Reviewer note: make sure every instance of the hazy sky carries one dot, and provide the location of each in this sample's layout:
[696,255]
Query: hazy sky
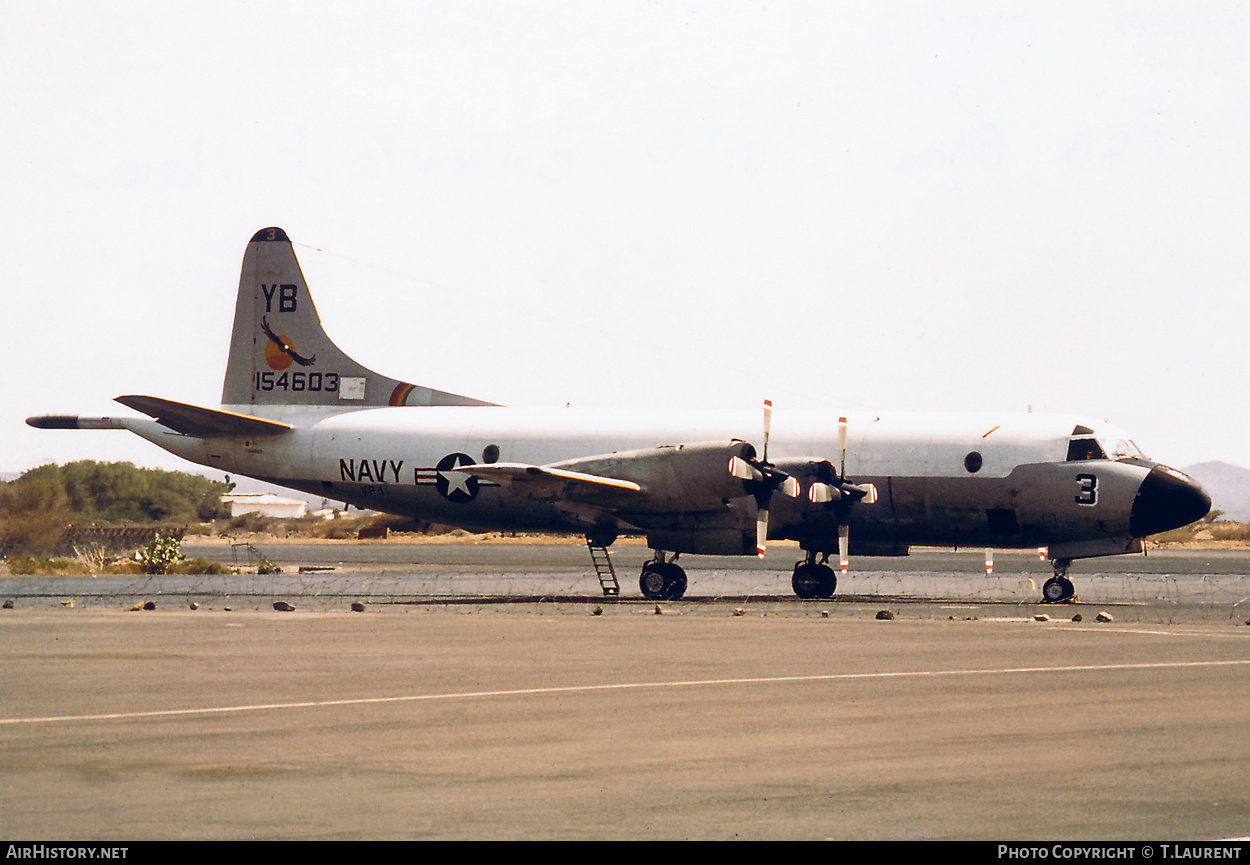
[948,206]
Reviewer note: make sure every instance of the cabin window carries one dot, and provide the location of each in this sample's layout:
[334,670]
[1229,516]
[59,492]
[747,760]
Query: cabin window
[1085,448]
[973,462]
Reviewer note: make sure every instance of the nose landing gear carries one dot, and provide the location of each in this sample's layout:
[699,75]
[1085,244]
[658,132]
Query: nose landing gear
[1059,589]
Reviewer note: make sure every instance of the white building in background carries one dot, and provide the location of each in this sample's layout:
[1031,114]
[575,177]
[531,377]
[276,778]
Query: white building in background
[265,504]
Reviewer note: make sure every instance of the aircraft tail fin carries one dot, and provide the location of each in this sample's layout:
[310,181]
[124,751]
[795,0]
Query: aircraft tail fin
[280,355]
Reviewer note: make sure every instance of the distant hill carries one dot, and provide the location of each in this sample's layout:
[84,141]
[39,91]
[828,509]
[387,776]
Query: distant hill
[1228,485]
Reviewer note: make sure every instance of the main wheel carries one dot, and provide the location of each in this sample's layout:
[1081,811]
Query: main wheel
[662,581]
[676,582]
[1057,590]
[813,581]
[828,582]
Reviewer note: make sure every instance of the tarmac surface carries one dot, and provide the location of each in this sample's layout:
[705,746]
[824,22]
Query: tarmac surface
[508,699]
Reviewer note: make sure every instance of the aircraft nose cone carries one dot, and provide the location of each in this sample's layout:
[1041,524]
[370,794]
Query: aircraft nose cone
[1167,499]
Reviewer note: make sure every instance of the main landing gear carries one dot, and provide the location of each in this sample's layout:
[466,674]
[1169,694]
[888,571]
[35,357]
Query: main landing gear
[1059,589]
[814,579]
[662,580]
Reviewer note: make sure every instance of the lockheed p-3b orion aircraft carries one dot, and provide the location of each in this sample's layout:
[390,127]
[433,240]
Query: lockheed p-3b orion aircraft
[298,412]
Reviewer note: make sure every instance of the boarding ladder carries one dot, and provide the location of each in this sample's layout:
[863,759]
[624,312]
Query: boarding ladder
[603,567]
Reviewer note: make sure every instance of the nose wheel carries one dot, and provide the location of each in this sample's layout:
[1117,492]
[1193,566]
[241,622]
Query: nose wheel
[1059,589]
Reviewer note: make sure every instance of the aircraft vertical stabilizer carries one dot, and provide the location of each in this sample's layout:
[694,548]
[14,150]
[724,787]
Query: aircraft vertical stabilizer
[280,354]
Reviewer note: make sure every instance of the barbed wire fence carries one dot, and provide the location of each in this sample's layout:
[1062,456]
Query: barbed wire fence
[1157,598]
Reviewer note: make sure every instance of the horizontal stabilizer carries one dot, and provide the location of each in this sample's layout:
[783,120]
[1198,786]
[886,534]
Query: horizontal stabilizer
[542,479]
[193,420]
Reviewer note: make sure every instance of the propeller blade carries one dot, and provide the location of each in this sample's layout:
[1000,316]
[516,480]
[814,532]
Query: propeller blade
[844,546]
[821,493]
[761,531]
[743,470]
[842,445]
[768,425]
[789,487]
[867,492]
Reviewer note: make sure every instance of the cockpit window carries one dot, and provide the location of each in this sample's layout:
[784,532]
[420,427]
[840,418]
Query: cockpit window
[1085,448]
[1119,449]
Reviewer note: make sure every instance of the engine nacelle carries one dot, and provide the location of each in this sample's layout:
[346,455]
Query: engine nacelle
[685,478]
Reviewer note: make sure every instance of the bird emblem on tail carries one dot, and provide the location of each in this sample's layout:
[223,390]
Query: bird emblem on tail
[284,345]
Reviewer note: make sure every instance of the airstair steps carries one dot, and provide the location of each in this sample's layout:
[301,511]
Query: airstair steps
[604,569]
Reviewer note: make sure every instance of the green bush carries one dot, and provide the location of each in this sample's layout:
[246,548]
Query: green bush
[200,565]
[122,492]
[36,508]
[250,523]
[161,556]
[45,565]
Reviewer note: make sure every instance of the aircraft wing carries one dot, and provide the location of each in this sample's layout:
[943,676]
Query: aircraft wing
[193,420]
[545,480]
